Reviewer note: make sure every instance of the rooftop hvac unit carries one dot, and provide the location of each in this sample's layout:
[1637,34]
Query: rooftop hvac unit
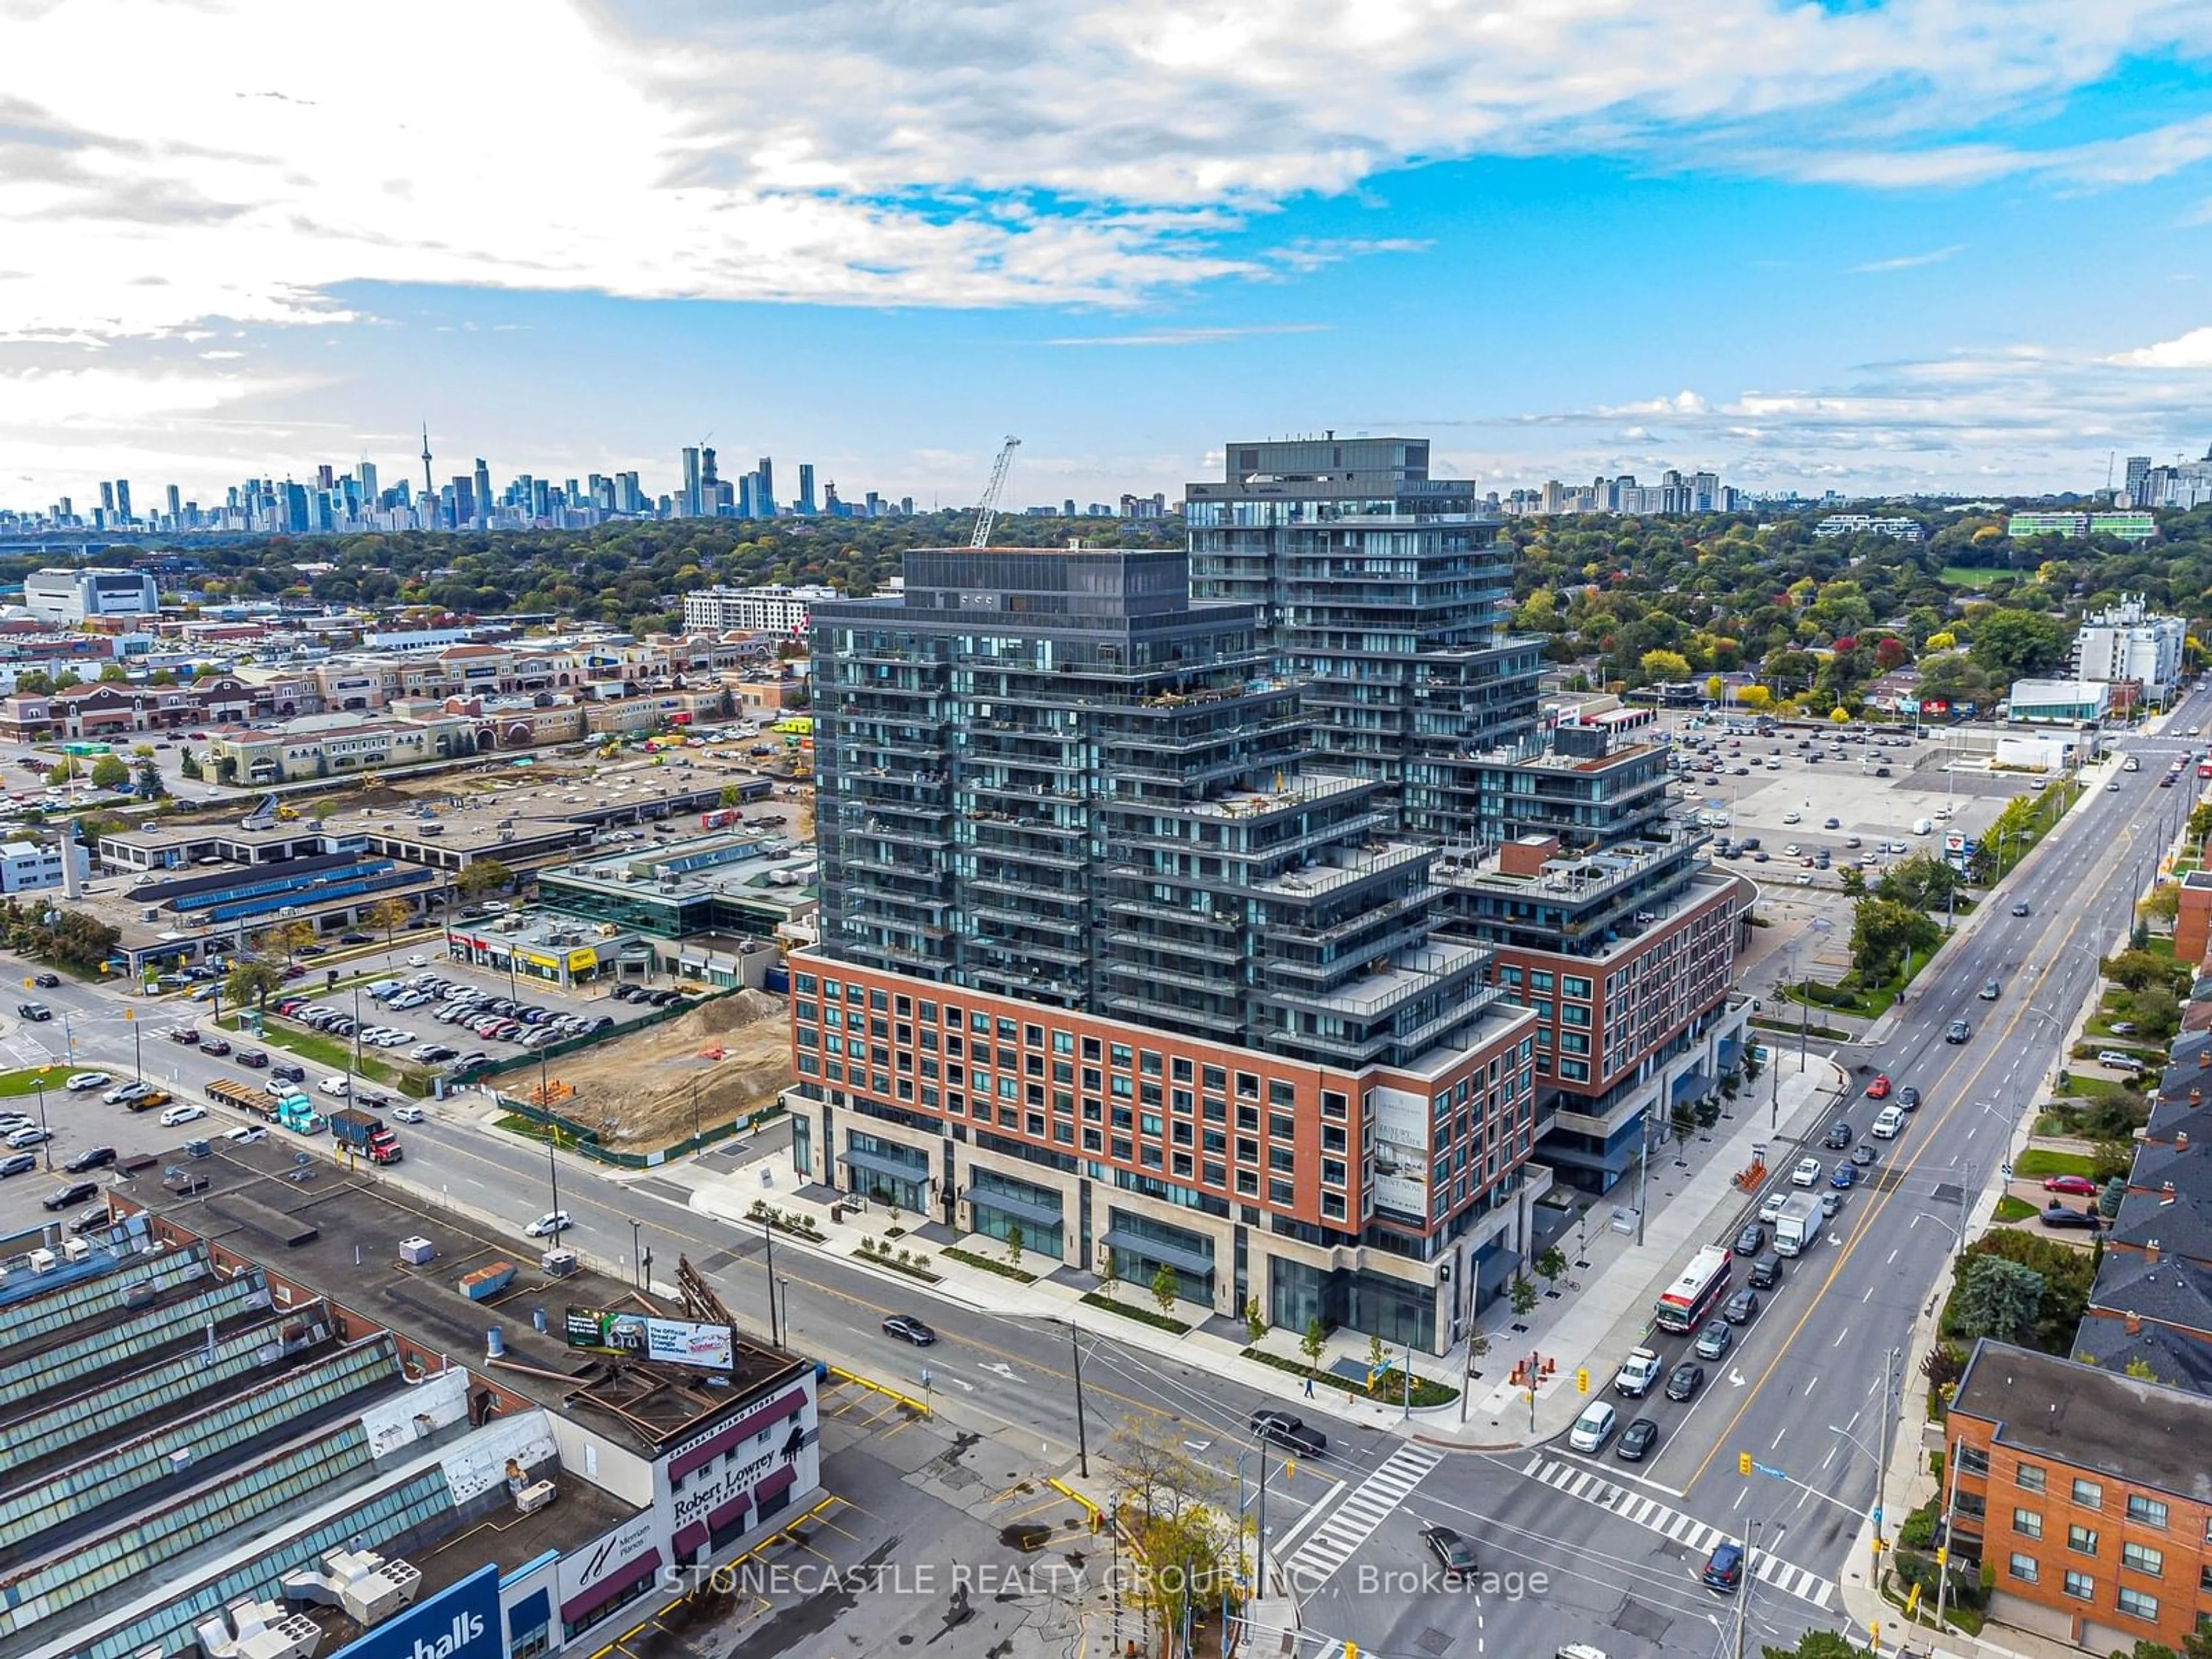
[77,1249]
[263,1631]
[535,1496]
[365,1586]
[42,1261]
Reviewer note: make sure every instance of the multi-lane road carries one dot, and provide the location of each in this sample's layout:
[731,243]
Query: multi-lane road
[1802,1391]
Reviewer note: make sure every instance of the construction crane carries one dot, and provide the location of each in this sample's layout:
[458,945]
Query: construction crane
[989,509]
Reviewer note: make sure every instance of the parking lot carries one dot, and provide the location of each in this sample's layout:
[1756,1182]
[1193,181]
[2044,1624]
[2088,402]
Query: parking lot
[1804,808]
[399,1015]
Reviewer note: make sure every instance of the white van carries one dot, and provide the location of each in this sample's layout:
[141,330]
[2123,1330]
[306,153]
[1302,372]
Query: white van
[1592,1428]
[1923,826]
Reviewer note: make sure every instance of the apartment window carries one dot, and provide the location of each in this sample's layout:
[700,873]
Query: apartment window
[2080,1586]
[2029,1477]
[1215,1175]
[1248,1182]
[2021,1567]
[1247,1085]
[1215,1078]
[1091,1048]
[1570,985]
[1247,1152]
[1280,1093]
[1034,1035]
[2082,1541]
[2136,1605]
[2088,1494]
[1179,1069]
[2143,1559]
[1332,1206]
[1215,1111]
[2150,1511]
[1120,1055]
[1282,1158]
[1332,1103]
[1148,1062]
[1281,1127]
[1281,1195]
[1972,1459]
[2028,1523]
[1247,1117]
[1123,1151]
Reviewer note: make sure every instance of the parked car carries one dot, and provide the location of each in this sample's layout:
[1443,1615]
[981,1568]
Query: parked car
[246,1134]
[186,1113]
[2058,1215]
[93,1158]
[18,1163]
[549,1223]
[76,1192]
[2079,1186]
[83,1083]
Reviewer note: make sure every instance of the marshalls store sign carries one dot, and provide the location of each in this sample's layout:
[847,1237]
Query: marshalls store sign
[460,1622]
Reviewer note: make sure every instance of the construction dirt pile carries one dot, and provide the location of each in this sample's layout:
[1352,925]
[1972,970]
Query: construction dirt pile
[717,1063]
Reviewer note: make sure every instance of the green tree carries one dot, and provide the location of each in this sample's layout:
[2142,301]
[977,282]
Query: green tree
[1165,1288]
[1664,666]
[1014,1244]
[251,983]
[1256,1322]
[1922,882]
[2110,1199]
[1883,934]
[150,787]
[482,876]
[162,678]
[287,939]
[58,773]
[1854,880]
[114,673]
[2000,1299]
[390,915]
[1552,1266]
[108,771]
[1524,1294]
[188,765]
[1109,1276]
[2157,1012]
[2011,645]
[1315,1339]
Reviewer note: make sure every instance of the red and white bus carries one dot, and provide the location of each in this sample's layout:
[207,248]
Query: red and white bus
[1693,1296]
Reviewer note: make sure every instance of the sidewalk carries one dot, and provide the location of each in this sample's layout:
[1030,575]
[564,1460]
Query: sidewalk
[1620,1280]
[1693,1200]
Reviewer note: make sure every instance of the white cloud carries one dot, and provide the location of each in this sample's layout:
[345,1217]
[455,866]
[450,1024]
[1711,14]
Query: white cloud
[927,152]
[2192,351]
[1909,261]
[1182,336]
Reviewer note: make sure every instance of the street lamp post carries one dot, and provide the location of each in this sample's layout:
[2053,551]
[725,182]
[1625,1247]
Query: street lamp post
[637,1266]
[46,1144]
[137,1058]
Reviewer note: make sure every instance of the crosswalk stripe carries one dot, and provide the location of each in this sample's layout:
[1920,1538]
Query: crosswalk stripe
[1361,1512]
[1579,1481]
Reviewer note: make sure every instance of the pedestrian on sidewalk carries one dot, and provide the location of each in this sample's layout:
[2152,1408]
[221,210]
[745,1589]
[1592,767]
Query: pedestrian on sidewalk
[1310,1388]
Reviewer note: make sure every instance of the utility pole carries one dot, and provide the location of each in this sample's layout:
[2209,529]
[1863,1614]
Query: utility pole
[767,1236]
[1743,1599]
[1643,1174]
[1943,1550]
[1081,1440]
[1259,1524]
[1890,1405]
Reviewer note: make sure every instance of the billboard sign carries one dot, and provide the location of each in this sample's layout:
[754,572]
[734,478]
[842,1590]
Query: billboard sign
[643,1336]
[461,1621]
[1401,1151]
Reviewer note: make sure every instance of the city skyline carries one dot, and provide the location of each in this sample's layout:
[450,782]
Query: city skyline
[1795,261]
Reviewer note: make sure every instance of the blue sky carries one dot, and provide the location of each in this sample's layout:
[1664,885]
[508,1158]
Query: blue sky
[1955,245]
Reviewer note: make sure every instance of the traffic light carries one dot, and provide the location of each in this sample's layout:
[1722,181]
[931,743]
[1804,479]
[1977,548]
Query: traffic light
[1743,1464]
[1582,1379]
